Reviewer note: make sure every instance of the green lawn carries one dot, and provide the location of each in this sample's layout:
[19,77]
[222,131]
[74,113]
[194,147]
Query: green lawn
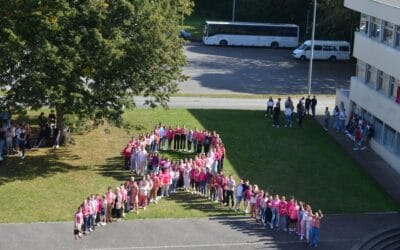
[49,184]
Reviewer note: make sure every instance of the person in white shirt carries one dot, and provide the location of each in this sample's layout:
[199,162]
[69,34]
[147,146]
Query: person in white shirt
[270,106]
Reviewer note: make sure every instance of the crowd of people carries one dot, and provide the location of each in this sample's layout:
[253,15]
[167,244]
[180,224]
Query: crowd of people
[17,138]
[357,128]
[202,175]
[303,108]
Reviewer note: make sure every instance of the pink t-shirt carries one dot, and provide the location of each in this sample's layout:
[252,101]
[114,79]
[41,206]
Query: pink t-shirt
[293,212]
[282,208]
[78,218]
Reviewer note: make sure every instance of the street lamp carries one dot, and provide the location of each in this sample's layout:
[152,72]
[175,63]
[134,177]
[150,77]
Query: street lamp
[233,10]
[312,48]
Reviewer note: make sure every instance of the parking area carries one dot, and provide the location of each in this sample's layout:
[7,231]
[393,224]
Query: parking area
[243,70]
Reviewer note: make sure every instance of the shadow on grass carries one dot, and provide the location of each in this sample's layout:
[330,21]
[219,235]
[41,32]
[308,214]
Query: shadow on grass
[34,166]
[193,202]
[114,168]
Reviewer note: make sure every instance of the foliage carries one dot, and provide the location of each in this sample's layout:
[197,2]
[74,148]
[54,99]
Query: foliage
[90,57]
[334,21]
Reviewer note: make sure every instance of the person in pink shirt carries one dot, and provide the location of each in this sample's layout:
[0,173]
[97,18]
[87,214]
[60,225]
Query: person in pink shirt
[127,156]
[166,181]
[100,211]
[182,145]
[202,181]
[293,213]
[110,199]
[289,205]
[78,221]
[282,209]
[134,200]
[85,214]
[316,222]
[170,136]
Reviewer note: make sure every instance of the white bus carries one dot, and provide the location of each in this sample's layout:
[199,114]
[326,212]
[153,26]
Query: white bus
[251,34]
[323,50]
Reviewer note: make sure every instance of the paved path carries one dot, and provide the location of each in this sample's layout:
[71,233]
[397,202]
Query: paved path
[233,103]
[242,233]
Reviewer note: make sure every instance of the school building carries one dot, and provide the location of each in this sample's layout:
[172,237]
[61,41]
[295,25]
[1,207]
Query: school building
[374,92]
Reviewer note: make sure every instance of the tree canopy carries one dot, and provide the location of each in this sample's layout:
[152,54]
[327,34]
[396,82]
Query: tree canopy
[90,57]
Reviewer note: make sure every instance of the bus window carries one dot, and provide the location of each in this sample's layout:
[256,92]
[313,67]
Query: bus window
[344,48]
[328,48]
[317,47]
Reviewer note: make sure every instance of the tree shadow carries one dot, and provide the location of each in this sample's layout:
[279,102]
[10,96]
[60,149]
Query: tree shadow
[193,202]
[114,168]
[34,166]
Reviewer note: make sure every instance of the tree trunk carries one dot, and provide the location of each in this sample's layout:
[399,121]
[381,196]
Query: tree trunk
[60,123]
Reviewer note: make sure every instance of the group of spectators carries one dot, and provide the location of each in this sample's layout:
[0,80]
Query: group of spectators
[303,108]
[360,131]
[16,138]
[202,175]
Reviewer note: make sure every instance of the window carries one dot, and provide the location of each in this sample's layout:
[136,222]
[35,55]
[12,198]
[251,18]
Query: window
[344,48]
[361,70]
[379,81]
[375,28]
[388,33]
[327,48]
[389,138]
[317,47]
[378,130]
[382,84]
[364,22]
[397,39]
[391,92]
[371,76]
[397,149]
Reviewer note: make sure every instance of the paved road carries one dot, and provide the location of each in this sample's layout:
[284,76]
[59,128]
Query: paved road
[233,103]
[215,69]
[338,232]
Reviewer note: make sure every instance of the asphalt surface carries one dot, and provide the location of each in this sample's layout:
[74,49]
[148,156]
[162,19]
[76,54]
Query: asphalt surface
[215,69]
[337,232]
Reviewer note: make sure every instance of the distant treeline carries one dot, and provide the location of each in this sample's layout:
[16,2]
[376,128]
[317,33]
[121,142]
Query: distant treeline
[334,21]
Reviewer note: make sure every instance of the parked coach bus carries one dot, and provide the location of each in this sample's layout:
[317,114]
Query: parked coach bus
[324,50]
[251,34]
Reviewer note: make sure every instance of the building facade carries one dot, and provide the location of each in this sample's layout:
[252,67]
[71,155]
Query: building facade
[375,89]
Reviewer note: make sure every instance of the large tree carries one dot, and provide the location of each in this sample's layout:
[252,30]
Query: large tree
[89,57]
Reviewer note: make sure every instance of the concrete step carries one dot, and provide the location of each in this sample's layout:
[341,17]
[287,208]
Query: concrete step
[384,238]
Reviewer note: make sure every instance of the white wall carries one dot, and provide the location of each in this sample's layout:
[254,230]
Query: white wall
[379,55]
[376,103]
[342,96]
[388,156]
[376,9]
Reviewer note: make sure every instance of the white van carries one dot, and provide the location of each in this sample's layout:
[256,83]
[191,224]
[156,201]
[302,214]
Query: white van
[324,50]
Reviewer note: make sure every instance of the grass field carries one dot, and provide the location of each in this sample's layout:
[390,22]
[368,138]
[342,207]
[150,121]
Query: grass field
[49,184]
